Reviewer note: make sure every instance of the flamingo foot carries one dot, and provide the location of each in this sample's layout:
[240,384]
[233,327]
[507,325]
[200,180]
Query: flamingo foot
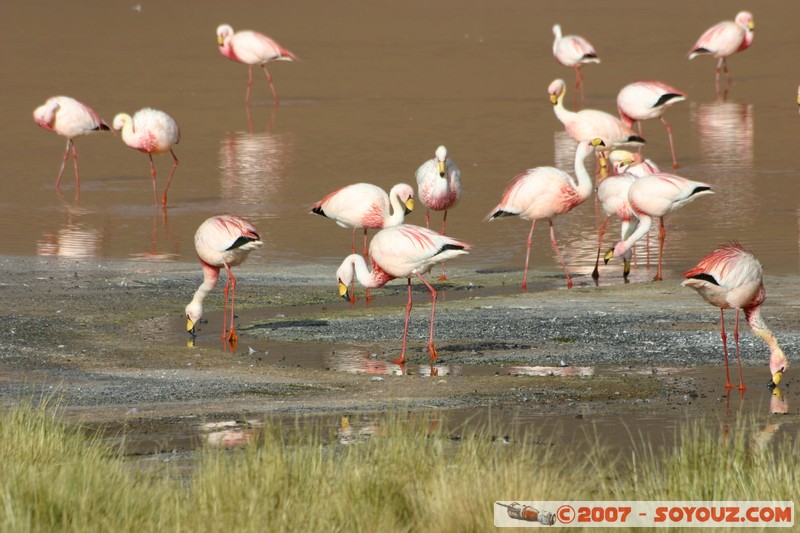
[443,277]
[432,351]
[728,385]
[232,336]
[400,360]
[658,278]
[742,388]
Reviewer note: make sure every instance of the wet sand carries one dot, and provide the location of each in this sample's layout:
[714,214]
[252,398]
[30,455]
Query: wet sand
[107,340]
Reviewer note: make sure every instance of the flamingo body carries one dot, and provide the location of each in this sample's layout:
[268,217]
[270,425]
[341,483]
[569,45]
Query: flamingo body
[69,118]
[222,241]
[153,132]
[731,277]
[623,161]
[402,251]
[725,39]
[544,193]
[657,195]
[643,100]
[252,48]
[588,124]
[573,51]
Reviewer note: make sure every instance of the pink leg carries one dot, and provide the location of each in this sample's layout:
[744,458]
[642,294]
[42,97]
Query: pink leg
[671,146]
[249,84]
[662,234]
[402,359]
[269,80]
[738,354]
[77,174]
[728,384]
[443,277]
[431,347]
[558,252]
[428,218]
[63,163]
[153,176]
[225,305]
[232,337]
[527,256]
[579,83]
[719,68]
[174,166]
[366,257]
[596,271]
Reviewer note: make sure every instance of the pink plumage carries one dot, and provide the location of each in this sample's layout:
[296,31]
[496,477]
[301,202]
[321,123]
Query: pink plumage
[731,277]
[402,251]
[223,240]
[69,118]
[643,100]
[544,193]
[252,48]
[573,51]
[725,39]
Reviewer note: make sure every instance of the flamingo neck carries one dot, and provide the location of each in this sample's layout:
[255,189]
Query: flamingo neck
[370,279]
[777,359]
[584,186]
[562,113]
[210,278]
[645,223]
[398,213]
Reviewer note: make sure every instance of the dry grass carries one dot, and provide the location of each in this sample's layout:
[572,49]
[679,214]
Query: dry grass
[408,477]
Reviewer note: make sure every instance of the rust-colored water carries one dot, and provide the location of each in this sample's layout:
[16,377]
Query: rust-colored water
[380,86]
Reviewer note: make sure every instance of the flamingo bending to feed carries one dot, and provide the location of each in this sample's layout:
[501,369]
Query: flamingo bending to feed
[730,277]
[439,187]
[588,124]
[252,48]
[724,39]
[544,193]
[623,161]
[643,100]
[68,118]
[573,51]
[613,196]
[153,132]
[221,241]
[401,251]
[657,195]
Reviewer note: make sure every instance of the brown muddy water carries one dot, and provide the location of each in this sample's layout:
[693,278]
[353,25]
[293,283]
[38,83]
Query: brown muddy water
[379,87]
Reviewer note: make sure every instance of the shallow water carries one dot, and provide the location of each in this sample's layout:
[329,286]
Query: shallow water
[380,85]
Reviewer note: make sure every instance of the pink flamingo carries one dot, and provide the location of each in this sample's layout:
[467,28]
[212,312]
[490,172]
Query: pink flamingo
[725,39]
[642,100]
[439,187]
[588,124]
[544,193]
[221,241]
[252,48]
[573,51]
[798,96]
[730,277]
[401,251]
[68,118]
[623,161]
[612,193]
[153,132]
[657,195]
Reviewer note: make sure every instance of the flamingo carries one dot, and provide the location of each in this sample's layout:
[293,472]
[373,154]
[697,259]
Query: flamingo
[657,195]
[252,48]
[223,240]
[153,132]
[544,193]
[724,39]
[402,251]
[612,193]
[642,100]
[573,51]
[798,96]
[731,277]
[68,118]
[588,124]
[623,161]
[439,187]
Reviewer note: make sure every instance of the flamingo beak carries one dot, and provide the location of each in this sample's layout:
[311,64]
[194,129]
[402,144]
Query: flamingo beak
[190,327]
[343,292]
[441,169]
[608,255]
[776,378]
[553,99]
[220,40]
[409,205]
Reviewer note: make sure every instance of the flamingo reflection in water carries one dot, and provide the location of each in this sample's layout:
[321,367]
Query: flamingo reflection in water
[75,240]
[253,167]
[726,133]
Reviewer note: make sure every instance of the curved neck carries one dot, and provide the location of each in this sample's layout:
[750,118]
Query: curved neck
[645,223]
[398,213]
[584,186]
[563,114]
[777,359]
[210,278]
[369,279]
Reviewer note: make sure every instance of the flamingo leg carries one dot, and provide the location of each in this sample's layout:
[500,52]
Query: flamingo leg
[63,163]
[527,256]
[249,85]
[558,252]
[174,166]
[225,292]
[75,161]
[596,271]
[718,69]
[269,80]
[671,146]
[443,277]
[231,336]
[738,353]
[402,359]
[153,176]
[428,218]
[431,347]
[579,83]
[728,384]
[366,256]
[662,234]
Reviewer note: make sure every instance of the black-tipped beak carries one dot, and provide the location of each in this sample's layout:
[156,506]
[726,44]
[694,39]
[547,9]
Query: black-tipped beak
[343,292]
[190,328]
[607,256]
[776,378]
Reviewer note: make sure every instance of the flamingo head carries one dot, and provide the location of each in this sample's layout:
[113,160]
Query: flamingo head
[621,159]
[745,18]
[194,312]
[345,273]
[45,115]
[557,89]
[224,31]
[619,250]
[778,364]
[441,159]
[405,193]
[121,120]
[557,31]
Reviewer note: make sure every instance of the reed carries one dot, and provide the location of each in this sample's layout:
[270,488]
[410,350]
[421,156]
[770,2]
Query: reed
[406,476]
